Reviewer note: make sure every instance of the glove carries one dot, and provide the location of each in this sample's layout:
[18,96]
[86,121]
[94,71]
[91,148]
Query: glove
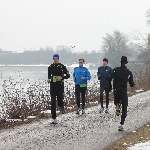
[132,84]
[99,78]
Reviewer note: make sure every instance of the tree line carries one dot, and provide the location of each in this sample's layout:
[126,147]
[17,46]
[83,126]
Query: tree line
[45,55]
[114,46]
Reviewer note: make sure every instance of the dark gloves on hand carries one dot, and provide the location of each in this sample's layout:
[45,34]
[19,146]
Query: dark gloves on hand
[99,78]
[132,84]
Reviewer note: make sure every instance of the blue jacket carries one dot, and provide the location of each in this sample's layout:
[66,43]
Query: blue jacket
[103,74]
[81,72]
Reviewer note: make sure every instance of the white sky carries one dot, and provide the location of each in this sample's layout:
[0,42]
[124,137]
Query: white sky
[26,24]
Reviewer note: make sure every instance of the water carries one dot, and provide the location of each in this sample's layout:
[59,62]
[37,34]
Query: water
[30,73]
[33,73]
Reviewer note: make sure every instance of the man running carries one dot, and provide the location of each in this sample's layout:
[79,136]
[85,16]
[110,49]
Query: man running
[121,75]
[103,76]
[80,77]
[57,72]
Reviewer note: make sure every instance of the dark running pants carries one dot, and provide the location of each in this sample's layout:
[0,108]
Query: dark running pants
[56,91]
[121,97]
[79,90]
[106,88]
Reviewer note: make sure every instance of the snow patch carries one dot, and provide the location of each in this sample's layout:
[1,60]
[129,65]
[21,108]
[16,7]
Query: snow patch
[140,146]
[13,120]
[96,102]
[46,111]
[31,117]
[140,90]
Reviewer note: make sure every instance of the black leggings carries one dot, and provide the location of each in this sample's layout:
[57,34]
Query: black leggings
[79,90]
[106,88]
[56,91]
[120,97]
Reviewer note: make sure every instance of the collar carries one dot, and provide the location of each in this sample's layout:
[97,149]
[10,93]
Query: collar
[80,66]
[123,66]
[56,64]
[105,67]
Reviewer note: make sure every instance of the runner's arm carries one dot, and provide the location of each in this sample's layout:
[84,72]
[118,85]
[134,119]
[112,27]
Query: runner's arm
[130,77]
[66,74]
[88,75]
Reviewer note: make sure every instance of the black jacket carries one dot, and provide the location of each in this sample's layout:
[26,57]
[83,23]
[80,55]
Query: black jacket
[58,70]
[121,76]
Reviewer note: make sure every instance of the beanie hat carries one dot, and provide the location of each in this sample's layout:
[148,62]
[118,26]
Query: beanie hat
[56,55]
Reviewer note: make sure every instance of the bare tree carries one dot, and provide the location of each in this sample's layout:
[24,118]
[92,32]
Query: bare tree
[115,46]
[145,55]
[148,17]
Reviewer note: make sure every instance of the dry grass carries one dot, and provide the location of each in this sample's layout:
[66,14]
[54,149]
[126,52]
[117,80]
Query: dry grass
[140,136]
[7,125]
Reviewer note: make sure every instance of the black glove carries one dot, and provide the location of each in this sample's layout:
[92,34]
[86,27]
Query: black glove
[99,78]
[132,84]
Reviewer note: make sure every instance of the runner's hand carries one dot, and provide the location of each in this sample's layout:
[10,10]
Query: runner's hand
[48,80]
[59,78]
[82,78]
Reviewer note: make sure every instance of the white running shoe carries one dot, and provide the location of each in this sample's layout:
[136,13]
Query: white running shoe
[54,121]
[107,110]
[101,110]
[83,111]
[78,111]
[120,128]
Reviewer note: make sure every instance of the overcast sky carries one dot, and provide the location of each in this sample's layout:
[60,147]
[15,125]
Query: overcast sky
[26,24]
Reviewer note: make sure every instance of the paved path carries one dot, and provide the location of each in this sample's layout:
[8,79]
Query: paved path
[91,131]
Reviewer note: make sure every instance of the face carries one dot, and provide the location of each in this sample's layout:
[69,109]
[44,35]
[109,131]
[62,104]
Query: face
[56,60]
[81,62]
[105,63]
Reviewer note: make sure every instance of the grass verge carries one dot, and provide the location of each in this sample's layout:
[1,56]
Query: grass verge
[141,135]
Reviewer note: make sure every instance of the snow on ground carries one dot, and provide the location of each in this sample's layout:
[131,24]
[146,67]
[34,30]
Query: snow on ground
[91,131]
[140,90]
[140,146]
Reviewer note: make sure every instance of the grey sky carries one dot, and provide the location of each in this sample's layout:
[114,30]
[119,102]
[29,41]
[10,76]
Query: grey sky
[26,24]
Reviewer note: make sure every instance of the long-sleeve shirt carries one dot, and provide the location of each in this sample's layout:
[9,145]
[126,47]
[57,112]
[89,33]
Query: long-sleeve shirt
[81,72]
[103,74]
[55,70]
[121,76]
